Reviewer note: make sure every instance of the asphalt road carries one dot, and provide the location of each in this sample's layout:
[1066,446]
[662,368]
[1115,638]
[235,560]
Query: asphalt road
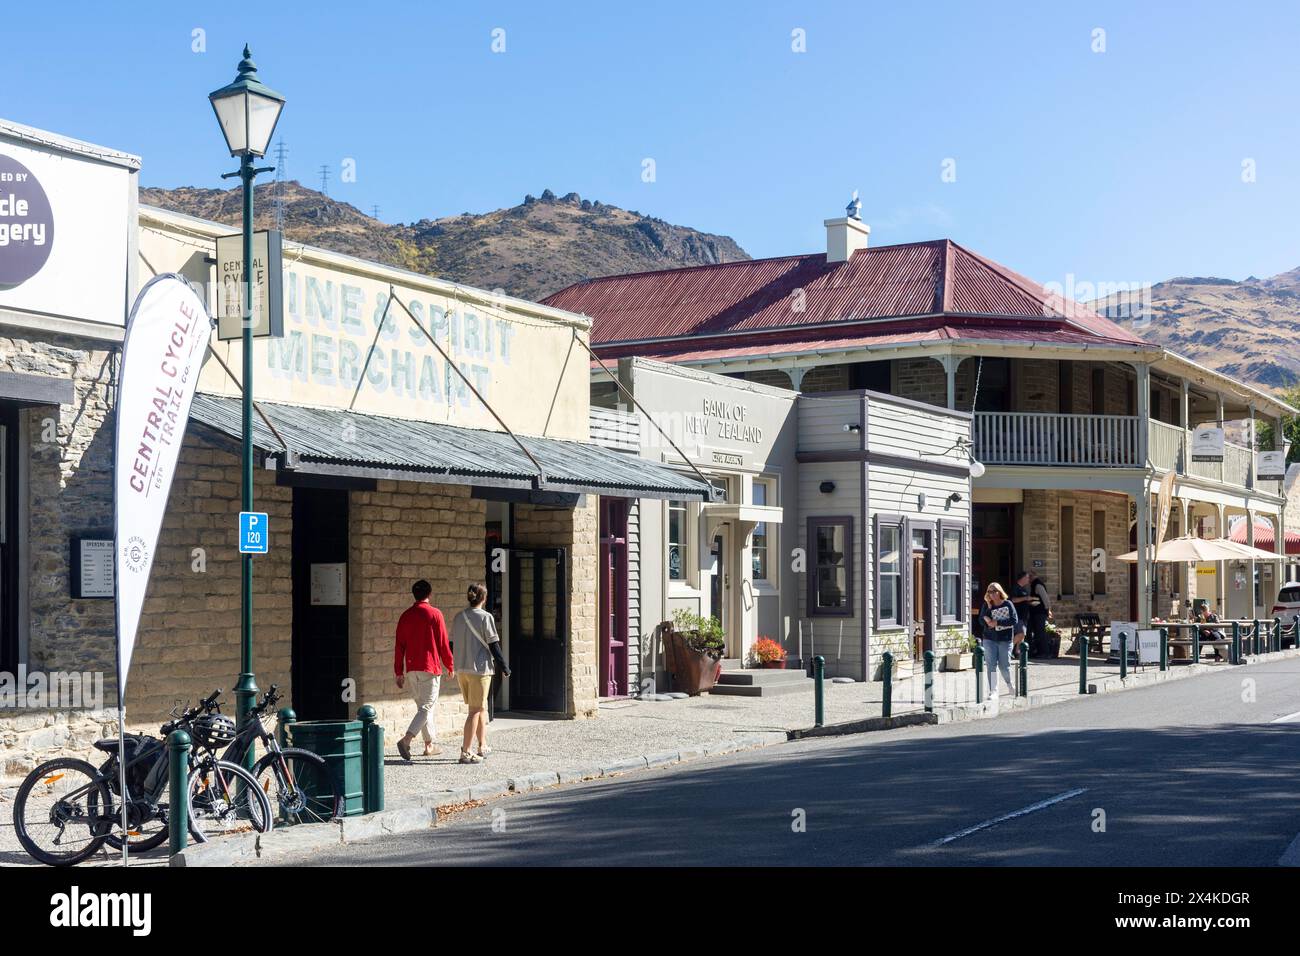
[1194,772]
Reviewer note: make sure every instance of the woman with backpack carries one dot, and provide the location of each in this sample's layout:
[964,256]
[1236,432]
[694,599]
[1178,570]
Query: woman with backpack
[477,649]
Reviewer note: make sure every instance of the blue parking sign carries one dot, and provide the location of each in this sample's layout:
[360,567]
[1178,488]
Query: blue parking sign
[254,533]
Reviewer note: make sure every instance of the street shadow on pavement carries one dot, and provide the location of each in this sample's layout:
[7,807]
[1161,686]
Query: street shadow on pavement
[1203,796]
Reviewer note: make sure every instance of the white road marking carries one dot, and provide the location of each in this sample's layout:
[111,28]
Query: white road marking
[1033,807]
[1288,719]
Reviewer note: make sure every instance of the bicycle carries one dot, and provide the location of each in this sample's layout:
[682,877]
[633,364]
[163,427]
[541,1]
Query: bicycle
[70,805]
[305,789]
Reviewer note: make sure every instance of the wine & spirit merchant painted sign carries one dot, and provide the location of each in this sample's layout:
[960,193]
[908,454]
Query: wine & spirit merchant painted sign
[345,346]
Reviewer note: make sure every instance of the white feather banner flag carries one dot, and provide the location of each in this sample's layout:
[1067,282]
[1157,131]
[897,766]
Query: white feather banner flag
[166,340]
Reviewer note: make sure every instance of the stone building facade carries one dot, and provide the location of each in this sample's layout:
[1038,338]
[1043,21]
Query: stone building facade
[349,357]
[60,325]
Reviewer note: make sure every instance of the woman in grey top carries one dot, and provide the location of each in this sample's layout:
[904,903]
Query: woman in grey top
[477,652]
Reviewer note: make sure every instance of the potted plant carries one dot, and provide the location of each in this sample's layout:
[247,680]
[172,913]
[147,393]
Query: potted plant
[903,665]
[962,658]
[1053,648]
[693,646]
[768,653]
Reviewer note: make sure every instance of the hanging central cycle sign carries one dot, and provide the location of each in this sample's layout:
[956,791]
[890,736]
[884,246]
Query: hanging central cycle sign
[268,286]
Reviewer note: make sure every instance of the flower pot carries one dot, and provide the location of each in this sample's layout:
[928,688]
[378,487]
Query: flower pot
[773,665]
[902,669]
[958,661]
[693,672]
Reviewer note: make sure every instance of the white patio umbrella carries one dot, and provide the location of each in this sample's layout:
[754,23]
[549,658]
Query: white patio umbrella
[1191,548]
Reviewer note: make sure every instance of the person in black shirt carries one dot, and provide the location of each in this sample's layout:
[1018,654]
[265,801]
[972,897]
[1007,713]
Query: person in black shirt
[1040,612]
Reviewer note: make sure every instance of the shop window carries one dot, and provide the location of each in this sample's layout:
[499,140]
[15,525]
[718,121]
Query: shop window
[830,554]
[889,574]
[950,574]
[1067,549]
[678,541]
[1099,543]
[761,545]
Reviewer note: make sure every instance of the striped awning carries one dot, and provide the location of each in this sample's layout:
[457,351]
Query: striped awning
[328,441]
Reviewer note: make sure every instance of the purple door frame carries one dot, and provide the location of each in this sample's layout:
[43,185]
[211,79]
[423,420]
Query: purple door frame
[613,597]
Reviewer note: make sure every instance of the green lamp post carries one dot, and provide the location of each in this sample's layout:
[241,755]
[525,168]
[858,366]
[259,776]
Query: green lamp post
[247,110]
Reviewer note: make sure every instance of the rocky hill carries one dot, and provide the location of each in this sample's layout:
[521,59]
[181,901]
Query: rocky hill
[530,250]
[1248,329]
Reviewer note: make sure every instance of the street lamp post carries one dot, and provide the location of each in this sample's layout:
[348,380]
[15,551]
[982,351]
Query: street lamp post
[248,111]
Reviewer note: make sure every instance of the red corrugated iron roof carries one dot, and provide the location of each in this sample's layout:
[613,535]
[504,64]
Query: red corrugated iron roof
[908,281]
[1264,537]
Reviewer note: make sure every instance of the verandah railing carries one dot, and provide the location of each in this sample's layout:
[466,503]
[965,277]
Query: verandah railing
[1043,438]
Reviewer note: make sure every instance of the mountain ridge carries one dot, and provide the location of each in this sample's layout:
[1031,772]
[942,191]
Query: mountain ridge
[530,250]
[1248,329]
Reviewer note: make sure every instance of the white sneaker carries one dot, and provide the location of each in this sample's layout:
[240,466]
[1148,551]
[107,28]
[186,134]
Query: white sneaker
[993,697]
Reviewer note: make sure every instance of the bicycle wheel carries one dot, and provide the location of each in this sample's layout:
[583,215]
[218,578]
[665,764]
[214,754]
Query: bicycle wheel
[62,811]
[145,835]
[300,787]
[224,798]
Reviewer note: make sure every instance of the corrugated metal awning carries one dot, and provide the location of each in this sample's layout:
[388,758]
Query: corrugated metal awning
[325,441]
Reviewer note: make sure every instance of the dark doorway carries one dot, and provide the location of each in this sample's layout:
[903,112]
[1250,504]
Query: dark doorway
[922,595]
[995,385]
[8,538]
[320,610]
[539,614]
[613,597]
[992,549]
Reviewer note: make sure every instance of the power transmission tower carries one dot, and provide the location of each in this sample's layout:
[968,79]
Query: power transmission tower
[374,212]
[281,153]
[324,180]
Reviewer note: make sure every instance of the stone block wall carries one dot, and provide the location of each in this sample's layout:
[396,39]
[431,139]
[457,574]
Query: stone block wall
[1041,536]
[576,529]
[922,380]
[399,533]
[69,492]
[826,378]
[770,376]
[189,635]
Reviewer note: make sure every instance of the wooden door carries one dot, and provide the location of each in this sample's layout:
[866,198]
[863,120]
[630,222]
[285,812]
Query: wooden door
[613,597]
[922,594]
[919,603]
[539,614]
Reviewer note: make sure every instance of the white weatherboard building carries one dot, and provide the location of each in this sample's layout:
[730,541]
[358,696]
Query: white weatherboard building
[845,529]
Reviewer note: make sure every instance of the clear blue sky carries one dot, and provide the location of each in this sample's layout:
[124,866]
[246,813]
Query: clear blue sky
[1124,165]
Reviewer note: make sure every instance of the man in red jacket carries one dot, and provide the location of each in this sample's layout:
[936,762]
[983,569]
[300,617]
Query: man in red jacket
[422,650]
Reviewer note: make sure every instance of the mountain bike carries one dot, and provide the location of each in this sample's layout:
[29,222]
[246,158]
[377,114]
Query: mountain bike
[303,788]
[66,809]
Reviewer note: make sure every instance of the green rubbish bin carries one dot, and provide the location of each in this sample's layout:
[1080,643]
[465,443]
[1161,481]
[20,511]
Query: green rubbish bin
[339,742]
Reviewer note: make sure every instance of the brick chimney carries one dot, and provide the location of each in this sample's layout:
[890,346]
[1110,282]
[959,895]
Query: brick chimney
[848,234]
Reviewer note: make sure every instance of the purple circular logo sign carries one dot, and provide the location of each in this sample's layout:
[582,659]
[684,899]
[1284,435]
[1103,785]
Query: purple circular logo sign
[26,224]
